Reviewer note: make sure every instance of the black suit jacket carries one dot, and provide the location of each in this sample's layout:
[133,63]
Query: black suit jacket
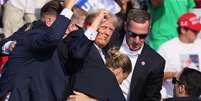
[90,75]
[33,70]
[148,72]
[183,99]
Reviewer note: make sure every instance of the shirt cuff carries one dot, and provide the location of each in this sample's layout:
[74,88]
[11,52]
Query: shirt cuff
[67,13]
[90,34]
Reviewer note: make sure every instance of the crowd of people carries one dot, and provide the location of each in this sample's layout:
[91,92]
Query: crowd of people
[100,50]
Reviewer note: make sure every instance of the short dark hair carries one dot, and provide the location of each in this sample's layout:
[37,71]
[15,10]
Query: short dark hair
[138,15]
[191,79]
[52,7]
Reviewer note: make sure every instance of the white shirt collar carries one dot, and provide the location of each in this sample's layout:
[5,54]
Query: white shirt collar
[125,49]
[101,53]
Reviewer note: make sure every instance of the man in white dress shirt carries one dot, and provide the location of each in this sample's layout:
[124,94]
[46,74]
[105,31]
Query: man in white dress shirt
[145,81]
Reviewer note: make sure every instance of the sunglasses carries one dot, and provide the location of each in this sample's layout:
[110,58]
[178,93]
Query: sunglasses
[133,34]
[174,81]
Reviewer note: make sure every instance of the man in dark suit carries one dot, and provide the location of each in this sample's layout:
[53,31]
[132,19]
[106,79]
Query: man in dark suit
[187,86]
[32,73]
[145,81]
[91,76]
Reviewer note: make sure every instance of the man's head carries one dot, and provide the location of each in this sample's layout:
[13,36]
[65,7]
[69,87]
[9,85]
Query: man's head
[105,29]
[188,27]
[49,12]
[197,3]
[137,27]
[188,83]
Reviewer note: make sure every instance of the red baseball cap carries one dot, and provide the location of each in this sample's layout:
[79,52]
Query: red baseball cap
[189,20]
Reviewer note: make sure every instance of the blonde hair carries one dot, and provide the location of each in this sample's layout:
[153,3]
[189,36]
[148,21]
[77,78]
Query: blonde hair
[118,60]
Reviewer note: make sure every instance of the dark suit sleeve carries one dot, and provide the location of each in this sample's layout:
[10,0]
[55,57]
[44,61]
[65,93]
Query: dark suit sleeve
[74,48]
[154,82]
[115,93]
[87,79]
[79,45]
[52,35]
[2,43]
[76,45]
[13,37]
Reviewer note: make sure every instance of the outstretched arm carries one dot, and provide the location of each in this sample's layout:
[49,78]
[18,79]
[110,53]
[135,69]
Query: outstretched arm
[82,42]
[54,33]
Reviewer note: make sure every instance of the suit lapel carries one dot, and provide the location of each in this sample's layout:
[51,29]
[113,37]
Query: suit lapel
[139,70]
[96,55]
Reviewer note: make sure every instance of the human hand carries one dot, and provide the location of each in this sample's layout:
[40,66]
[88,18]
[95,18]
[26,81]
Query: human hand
[101,16]
[71,27]
[78,96]
[169,75]
[12,46]
[69,3]
[8,47]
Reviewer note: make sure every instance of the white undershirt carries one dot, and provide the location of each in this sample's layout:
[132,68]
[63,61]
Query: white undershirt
[133,55]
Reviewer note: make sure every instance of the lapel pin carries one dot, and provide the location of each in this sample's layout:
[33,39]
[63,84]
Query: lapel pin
[143,63]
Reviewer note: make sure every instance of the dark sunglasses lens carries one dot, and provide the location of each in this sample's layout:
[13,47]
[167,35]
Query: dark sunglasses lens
[141,36]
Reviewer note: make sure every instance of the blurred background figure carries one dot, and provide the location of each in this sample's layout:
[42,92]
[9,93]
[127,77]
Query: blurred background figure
[182,51]
[139,4]
[125,7]
[197,11]
[19,12]
[2,2]
[187,86]
[164,24]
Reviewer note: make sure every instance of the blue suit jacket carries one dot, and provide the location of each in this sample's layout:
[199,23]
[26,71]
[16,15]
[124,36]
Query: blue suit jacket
[148,72]
[89,74]
[33,71]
